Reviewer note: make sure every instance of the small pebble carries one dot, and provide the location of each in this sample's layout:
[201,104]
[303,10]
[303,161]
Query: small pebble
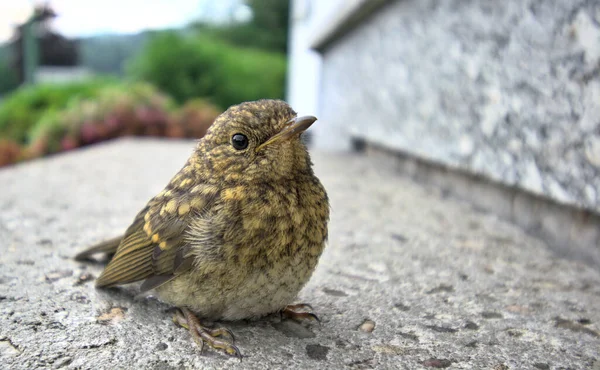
[367,326]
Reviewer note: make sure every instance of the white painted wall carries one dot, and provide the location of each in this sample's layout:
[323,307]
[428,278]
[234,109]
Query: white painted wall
[304,70]
[47,74]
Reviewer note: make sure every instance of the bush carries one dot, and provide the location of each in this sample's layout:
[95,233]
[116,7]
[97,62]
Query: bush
[110,111]
[192,67]
[193,119]
[120,110]
[10,152]
[22,109]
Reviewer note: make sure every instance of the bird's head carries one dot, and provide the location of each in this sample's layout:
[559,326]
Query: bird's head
[256,141]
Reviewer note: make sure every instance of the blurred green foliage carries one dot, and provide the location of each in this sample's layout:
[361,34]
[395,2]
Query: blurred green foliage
[187,67]
[116,110]
[267,30]
[22,109]
[101,111]
[109,53]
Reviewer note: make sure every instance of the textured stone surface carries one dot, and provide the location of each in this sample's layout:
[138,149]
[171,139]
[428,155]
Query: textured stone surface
[570,232]
[507,89]
[411,279]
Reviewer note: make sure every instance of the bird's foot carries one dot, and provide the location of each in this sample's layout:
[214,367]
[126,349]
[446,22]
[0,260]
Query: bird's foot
[201,334]
[299,312]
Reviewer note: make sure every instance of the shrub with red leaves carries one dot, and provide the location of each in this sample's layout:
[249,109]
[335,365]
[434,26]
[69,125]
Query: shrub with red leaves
[10,152]
[134,110]
[116,110]
[192,119]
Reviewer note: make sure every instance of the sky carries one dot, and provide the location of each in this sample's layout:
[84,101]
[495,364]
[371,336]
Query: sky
[80,18]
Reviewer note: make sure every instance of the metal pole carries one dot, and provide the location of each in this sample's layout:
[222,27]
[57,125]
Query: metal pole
[30,51]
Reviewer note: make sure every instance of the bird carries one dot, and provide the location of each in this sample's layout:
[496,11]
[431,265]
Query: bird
[236,233]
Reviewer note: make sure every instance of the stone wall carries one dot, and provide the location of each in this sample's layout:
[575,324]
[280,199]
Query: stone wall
[505,89]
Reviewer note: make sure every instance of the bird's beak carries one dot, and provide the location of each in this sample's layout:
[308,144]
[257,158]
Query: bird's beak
[294,127]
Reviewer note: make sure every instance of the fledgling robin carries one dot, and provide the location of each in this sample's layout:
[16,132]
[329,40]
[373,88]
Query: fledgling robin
[237,232]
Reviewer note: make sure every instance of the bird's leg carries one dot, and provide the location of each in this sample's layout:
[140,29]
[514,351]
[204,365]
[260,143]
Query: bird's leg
[180,320]
[299,311]
[201,334]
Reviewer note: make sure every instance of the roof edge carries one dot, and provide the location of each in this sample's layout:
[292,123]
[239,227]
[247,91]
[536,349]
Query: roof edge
[344,20]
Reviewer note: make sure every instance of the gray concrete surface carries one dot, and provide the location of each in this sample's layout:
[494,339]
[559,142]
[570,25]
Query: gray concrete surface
[569,231]
[410,280]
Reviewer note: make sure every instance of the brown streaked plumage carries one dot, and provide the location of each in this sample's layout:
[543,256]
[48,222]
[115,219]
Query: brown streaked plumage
[237,232]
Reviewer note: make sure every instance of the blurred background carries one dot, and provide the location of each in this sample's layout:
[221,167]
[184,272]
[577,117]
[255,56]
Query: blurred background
[74,74]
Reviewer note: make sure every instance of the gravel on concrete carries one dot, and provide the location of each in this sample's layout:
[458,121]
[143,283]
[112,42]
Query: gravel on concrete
[411,279]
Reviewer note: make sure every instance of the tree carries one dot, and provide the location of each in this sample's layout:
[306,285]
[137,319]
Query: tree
[267,30]
[189,67]
[272,17]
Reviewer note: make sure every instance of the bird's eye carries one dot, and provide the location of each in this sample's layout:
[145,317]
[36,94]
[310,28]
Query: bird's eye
[239,141]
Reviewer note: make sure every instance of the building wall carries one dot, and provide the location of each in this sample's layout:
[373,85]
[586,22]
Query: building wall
[505,89]
[48,74]
[304,63]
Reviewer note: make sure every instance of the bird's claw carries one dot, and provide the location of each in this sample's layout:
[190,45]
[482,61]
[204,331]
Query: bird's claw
[201,334]
[222,332]
[299,312]
[229,348]
[299,306]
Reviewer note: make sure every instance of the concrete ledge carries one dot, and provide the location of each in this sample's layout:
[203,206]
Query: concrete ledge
[569,231]
[411,279]
[349,14]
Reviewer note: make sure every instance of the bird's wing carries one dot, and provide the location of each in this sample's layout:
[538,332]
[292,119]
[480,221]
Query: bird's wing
[108,247]
[155,246]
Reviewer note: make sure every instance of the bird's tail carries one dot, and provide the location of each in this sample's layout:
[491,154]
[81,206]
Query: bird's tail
[109,247]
